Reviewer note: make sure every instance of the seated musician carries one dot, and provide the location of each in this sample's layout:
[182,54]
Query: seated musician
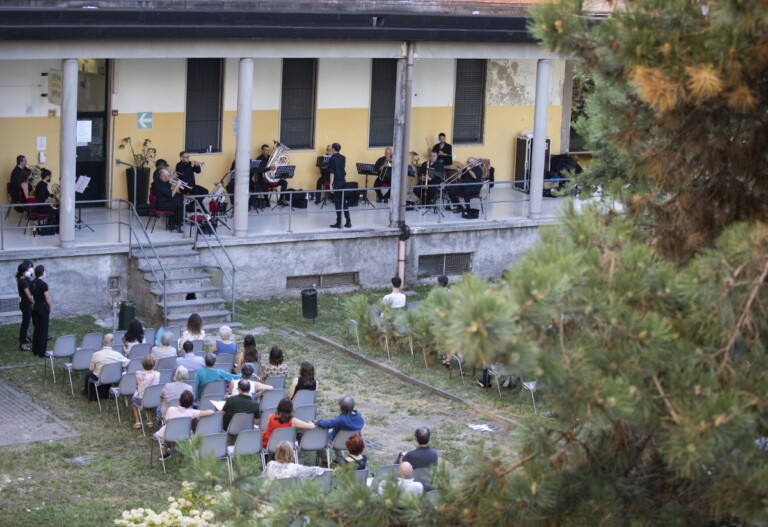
[471,180]
[186,170]
[324,176]
[261,182]
[383,168]
[444,150]
[43,195]
[168,198]
[19,179]
[431,176]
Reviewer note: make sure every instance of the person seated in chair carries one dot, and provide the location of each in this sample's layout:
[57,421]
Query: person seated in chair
[383,168]
[165,349]
[348,419]
[183,410]
[283,466]
[431,176]
[209,374]
[423,456]
[261,181]
[106,355]
[168,198]
[405,481]
[355,446]
[187,358]
[396,298]
[43,195]
[242,403]
[471,182]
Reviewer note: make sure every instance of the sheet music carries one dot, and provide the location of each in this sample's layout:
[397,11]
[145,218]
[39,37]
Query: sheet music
[81,184]
[218,404]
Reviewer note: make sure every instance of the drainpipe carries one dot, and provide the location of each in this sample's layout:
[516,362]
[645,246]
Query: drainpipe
[403,148]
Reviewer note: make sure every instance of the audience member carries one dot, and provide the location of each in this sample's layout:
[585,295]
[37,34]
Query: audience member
[442,281]
[133,335]
[255,386]
[173,390]
[305,381]
[283,466]
[249,355]
[348,419]
[276,366]
[224,344]
[355,446]
[240,403]
[183,410]
[106,355]
[144,378]
[193,331]
[396,299]
[209,374]
[405,481]
[283,418]
[188,359]
[165,349]
[421,457]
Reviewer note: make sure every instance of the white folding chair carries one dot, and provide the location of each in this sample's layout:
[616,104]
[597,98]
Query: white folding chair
[278,436]
[210,424]
[176,429]
[239,422]
[216,445]
[270,398]
[313,440]
[110,374]
[305,413]
[92,340]
[126,388]
[139,350]
[248,443]
[278,382]
[531,387]
[304,397]
[212,387]
[166,363]
[384,473]
[63,348]
[81,361]
[150,401]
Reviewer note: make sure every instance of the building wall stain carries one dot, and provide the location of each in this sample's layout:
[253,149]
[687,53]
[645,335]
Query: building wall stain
[512,82]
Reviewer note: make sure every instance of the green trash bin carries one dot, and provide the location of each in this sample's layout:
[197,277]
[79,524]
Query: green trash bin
[309,303]
[126,314]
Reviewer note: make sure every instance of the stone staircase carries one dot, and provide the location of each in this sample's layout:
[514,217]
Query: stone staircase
[191,287]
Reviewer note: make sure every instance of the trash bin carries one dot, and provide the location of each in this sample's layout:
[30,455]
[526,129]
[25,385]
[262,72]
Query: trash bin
[127,313]
[309,304]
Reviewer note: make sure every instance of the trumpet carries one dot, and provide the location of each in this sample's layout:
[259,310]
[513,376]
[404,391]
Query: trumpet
[176,181]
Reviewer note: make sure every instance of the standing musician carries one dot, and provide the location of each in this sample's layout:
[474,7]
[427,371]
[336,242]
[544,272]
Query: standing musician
[261,182]
[471,182]
[18,178]
[186,170]
[444,150]
[169,198]
[431,176]
[43,194]
[383,168]
[323,179]
[337,174]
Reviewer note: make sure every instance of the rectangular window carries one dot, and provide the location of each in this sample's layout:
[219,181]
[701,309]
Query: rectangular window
[297,104]
[469,102]
[447,264]
[205,80]
[381,128]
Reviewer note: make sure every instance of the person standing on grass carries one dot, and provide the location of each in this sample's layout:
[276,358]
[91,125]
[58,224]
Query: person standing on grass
[41,312]
[24,275]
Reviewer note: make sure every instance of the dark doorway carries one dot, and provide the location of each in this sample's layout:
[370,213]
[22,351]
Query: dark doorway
[92,113]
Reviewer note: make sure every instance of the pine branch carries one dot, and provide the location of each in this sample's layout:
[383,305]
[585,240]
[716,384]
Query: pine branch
[517,464]
[672,412]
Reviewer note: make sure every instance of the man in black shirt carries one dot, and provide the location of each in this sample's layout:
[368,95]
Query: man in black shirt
[261,181]
[431,176]
[323,179]
[186,170]
[421,457]
[168,198]
[242,403]
[337,173]
[471,182]
[43,193]
[383,169]
[18,176]
[444,150]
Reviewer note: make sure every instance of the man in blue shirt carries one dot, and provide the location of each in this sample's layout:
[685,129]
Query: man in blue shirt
[349,419]
[209,374]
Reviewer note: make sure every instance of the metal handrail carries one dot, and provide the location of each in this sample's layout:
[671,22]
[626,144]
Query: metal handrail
[198,231]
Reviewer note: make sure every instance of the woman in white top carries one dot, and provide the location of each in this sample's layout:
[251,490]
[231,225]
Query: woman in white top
[144,379]
[183,410]
[194,330]
[282,467]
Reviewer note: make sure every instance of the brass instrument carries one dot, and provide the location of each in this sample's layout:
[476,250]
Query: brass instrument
[277,159]
[463,169]
[175,180]
[55,192]
[195,163]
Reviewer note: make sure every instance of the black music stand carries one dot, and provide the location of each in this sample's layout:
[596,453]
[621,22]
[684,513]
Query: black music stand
[80,185]
[322,161]
[367,170]
[284,172]
[434,208]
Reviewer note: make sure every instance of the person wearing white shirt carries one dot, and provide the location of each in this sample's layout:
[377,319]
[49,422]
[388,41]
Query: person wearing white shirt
[396,299]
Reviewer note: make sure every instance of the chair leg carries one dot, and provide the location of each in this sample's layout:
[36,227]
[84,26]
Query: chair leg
[53,372]
[117,405]
[533,399]
[98,399]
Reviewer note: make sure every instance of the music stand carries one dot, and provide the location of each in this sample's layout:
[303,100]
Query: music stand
[284,172]
[80,185]
[366,169]
[322,161]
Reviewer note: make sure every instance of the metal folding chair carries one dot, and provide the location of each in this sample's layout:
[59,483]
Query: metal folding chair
[63,348]
[81,361]
[176,429]
[110,374]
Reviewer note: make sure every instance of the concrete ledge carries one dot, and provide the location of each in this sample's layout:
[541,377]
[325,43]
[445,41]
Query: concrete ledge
[508,423]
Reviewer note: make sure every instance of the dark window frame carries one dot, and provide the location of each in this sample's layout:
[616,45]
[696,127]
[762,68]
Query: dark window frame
[298,103]
[204,106]
[469,101]
[381,113]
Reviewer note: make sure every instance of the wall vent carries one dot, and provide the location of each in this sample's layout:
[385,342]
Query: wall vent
[432,265]
[322,280]
[9,303]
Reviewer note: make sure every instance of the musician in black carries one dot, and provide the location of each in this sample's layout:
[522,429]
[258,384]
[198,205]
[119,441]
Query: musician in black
[431,176]
[168,198]
[18,177]
[43,194]
[470,184]
[185,171]
[261,181]
[383,168]
[337,174]
[444,150]
[323,179]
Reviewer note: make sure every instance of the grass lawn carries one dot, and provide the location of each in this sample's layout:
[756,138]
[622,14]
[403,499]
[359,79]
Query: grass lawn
[40,485]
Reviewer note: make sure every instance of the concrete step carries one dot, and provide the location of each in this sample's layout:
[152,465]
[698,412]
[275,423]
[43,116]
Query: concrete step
[173,268]
[178,293]
[164,250]
[179,275]
[215,317]
[193,306]
[212,330]
[183,254]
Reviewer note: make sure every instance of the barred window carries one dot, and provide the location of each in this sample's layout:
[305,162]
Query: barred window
[469,102]
[447,264]
[381,128]
[202,131]
[297,106]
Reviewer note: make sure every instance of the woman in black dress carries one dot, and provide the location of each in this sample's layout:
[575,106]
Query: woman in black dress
[23,281]
[41,311]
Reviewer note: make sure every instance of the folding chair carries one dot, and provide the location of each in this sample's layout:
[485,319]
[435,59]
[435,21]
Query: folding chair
[324,481]
[225,361]
[149,337]
[531,387]
[63,348]
[210,424]
[278,383]
[265,414]
[198,345]
[117,339]
[205,401]
[134,365]
[212,387]
[459,363]
[166,376]
[176,429]
[81,361]
[497,374]
[339,444]
[166,363]
[248,443]
[239,422]
[278,436]
[126,388]
[384,473]
[139,350]
[216,445]
[304,397]
[110,374]
[305,413]
[150,401]
[313,440]
[270,398]
[354,323]
[92,341]
[433,496]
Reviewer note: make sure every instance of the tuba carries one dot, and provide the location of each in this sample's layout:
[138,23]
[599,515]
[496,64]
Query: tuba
[55,192]
[277,159]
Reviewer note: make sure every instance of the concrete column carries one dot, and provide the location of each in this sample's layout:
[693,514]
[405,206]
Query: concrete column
[565,126]
[243,145]
[543,77]
[67,153]
[397,144]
